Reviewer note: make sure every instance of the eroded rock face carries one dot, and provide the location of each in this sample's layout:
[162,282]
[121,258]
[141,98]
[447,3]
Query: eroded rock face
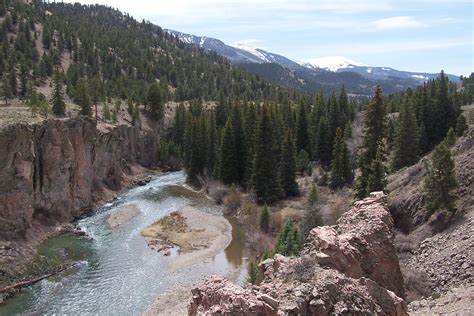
[57,169]
[360,245]
[346,269]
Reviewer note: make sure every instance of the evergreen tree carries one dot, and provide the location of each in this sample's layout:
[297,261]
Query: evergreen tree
[212,143]
[338,177]
[372,156]
[288,166]
[239,142]
[12,81]
[323,142]
[302,137]
[96,93]
[450,139]
[302,162]
[289,240]
[228,171]
[406,141]
[377,181]
[5,89]
[57,100]
[155,101]
[106,113]
[440,180]
[82,98]
[313,196]
[461,125]
[252,272]
[264,180]
[264,220]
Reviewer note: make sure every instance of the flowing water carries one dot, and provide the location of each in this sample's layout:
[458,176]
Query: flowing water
[118,273]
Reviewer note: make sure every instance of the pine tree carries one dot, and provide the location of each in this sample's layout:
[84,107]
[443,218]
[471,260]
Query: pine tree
[323,143]
[106,113]
[339,176]
[228,169]
[155,101]
[302,162]
[264,220]
[376,180]
[5,89]
[461,125]
[57,100]
[313,196]
[12,81]
[239,142]
[212,143]
[82,98]
[264,180]
[406,142]
[252,272]
[372,156]
[288,166]
[440,180]
[96,93]
[302,137]
[450,139]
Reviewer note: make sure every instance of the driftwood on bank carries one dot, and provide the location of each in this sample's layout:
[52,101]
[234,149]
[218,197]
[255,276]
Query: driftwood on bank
[35,280]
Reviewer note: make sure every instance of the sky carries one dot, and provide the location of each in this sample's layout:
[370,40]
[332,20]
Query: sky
[412,35]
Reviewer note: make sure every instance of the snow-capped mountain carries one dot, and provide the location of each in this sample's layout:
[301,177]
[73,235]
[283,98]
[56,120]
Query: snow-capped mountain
[326,73]
[331,63]
[239,53]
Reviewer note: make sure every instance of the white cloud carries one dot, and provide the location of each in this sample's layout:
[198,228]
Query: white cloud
[398,22]
[386,47]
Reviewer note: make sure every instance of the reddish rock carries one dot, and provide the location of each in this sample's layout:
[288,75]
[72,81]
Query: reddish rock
[55,170]
[361,244]
[344,270]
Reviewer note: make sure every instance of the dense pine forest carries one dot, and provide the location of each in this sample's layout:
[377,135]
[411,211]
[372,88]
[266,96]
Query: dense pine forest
[264,146]
[98,53]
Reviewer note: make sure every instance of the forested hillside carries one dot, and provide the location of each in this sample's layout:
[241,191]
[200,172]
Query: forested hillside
[263,147]
[97,52]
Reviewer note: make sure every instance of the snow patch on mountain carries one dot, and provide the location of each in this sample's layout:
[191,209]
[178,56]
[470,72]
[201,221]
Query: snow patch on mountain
[252,50]
[420,77]
[331,63]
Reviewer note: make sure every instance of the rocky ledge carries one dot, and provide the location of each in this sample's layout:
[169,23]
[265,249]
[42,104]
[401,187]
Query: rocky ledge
[349,268]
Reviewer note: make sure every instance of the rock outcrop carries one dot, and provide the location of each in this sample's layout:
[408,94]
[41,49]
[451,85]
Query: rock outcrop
[55,170]
[360,245]
[350,268]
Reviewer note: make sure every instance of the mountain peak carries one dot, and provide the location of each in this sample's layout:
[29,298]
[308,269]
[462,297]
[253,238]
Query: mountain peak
[332,63]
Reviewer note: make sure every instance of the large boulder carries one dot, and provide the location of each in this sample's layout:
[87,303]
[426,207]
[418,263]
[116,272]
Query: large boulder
[360,245]
[347,269]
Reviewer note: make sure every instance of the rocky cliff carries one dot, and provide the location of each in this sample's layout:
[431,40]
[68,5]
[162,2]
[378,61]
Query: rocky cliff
[350,268]
[57,169]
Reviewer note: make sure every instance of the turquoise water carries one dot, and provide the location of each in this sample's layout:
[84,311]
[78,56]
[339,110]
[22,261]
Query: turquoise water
[118,274]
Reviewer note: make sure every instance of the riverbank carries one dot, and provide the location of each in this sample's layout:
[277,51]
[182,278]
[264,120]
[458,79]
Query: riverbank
[197,235]
[17,255]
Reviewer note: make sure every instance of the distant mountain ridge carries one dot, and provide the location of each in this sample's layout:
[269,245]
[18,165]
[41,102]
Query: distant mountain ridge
[326,73]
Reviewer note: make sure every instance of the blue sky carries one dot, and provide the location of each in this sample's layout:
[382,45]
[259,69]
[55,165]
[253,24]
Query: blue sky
[416,35]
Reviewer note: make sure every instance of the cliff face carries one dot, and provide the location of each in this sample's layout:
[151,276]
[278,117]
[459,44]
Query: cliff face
[57,169]
[347,269]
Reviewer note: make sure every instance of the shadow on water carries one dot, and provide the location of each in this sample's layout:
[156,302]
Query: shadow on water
[235,251]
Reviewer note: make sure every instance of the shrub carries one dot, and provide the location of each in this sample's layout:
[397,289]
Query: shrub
[264,219]
[233,201]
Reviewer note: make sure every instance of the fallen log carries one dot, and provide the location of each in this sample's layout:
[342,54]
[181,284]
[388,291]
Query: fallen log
[35,280]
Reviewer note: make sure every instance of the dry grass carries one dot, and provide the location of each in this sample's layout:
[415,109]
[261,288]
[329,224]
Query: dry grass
[232,201]
[417,284]
[404,243]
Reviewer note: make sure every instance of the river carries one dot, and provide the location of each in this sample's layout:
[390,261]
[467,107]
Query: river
[118,273]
